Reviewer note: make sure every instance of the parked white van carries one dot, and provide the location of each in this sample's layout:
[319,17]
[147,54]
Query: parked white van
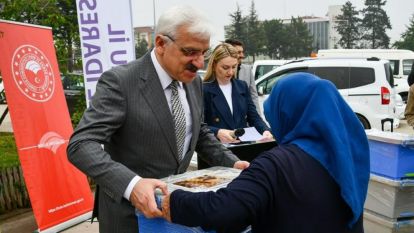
[261,67]
[365,84]
[400,61]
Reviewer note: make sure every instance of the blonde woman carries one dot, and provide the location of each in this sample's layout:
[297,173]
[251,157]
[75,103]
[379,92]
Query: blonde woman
[227,101]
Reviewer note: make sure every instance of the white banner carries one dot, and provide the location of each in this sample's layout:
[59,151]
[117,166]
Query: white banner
[107,38]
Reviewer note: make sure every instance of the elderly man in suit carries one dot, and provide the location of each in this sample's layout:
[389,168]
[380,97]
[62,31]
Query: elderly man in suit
[148,116]
[244,72]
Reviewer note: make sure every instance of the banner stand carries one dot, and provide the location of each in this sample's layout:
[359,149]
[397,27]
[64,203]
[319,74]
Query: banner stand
[67,224]
[59,193]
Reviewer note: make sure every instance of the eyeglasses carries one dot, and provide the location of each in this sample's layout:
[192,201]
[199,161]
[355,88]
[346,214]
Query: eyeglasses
[189,52]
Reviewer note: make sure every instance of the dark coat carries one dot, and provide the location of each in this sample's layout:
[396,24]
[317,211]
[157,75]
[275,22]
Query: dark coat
[283,191]
[217,112]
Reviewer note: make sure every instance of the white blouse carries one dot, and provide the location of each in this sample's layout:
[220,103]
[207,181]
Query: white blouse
[226,89]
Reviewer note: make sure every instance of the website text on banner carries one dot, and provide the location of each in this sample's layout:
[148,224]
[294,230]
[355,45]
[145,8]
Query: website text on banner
[40,119]
[107,38]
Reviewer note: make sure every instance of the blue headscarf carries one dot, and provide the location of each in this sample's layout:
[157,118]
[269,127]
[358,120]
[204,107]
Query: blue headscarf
[309,112]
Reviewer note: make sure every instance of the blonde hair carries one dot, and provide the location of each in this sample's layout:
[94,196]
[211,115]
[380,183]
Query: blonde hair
[221,51]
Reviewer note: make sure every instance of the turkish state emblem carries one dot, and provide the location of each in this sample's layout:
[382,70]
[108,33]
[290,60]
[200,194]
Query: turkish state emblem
[32,73]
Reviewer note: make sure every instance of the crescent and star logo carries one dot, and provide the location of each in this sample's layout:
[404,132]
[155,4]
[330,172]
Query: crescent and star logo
[33,73]
[51,141]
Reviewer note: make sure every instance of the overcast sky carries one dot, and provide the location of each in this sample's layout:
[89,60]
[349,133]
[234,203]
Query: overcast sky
[399,11]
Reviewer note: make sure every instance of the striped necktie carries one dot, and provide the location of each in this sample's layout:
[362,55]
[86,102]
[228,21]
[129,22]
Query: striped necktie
[178,117]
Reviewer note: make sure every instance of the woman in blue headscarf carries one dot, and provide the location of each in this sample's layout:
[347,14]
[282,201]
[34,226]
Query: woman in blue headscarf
[315,181]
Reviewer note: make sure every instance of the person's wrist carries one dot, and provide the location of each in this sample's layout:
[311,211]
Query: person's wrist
[166,207]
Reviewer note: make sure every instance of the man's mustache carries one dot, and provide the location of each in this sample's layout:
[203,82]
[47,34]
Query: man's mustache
[191,67]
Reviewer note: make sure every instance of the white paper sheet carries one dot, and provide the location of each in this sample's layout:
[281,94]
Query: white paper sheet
[250,134]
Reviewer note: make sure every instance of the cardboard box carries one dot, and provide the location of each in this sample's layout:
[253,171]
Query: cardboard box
[391,198]
[391,154]
[374,223]
[223,177]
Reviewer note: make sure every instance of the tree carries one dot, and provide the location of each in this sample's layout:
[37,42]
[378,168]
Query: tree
[275,37]
[141,47]
[255,36]
[407,37]
[347,26]
[66,32]
[237,28]
[375,21]
[301,40]
[58,14]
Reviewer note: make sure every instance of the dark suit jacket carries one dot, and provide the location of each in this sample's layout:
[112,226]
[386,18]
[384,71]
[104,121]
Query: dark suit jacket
[283,190]
[129,115]
[217,112]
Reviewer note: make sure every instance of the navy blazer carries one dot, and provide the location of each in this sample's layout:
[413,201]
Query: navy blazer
[217,112]
[283,190]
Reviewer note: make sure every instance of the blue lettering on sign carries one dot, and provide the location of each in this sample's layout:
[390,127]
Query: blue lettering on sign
[117,36]
[88,23]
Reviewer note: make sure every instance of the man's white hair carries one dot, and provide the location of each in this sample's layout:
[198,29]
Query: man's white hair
[175,17]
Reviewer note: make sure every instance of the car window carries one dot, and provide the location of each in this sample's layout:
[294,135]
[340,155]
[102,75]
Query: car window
[395,66]
[263,69]
[267,84]
[339,76]
[360,76]
[407,64]
[388,73]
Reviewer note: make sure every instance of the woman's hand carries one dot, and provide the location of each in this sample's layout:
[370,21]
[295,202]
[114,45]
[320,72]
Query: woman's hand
[166,213]
[241,164]
[267,137]
[226,136]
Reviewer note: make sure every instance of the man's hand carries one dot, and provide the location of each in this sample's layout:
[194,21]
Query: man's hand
[241,164]
[143,196]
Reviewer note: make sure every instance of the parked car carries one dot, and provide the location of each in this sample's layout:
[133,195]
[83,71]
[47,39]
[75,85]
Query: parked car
[365,84]
[261,67]
[400,61]
[73,86]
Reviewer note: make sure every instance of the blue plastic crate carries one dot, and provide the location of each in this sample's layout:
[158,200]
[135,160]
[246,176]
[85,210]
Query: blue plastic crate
[391,155]
[160,225]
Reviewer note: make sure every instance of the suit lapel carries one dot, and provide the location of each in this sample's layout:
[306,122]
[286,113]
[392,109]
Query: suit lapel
[221,104]
[153,93]
[237,99]
[195,111]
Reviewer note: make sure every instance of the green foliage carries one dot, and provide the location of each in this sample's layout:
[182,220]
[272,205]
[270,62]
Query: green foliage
[80,108]
[8,151]
[58,14]
[300,39]
[347,26]
[275,38]
[407,37]
[255,37]
[238,27]
[141,47]
[375,22]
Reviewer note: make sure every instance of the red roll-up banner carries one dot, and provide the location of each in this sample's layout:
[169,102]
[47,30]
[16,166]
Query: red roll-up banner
[58,191]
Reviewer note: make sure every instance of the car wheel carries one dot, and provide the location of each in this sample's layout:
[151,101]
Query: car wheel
[364,122]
